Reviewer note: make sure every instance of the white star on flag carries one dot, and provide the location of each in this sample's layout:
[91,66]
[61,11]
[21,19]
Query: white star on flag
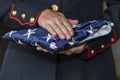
[29,33]
[53,46]
[93,21]
[77,30]
[10,34]
[84,31]
[48,37]
[35,44]
[74,26]
[73,42]
[19,42]
[91,31]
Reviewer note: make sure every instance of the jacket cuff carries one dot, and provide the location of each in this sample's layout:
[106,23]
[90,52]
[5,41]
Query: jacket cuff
[101,44]
[25,15]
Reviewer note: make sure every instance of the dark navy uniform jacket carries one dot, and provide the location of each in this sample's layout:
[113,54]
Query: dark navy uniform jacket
[96,63]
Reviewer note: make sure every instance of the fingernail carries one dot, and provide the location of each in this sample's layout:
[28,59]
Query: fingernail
[68,37]
[54,34]
[62,37]
[71,33]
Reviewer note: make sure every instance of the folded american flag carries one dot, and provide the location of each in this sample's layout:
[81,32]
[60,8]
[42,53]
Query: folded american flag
[84,32]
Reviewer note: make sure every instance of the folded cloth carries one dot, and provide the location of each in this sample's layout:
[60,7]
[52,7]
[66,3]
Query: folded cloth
[83,33]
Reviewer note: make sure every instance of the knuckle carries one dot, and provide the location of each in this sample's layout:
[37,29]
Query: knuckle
[46,26]
[61,14]
[60,34]
[56,28]
[69,28]
[66,32]
[62,18]
[62,27]
[55,18]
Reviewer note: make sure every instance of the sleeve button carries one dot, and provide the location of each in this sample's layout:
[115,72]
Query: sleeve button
[92,51]
[55,7]
[112,40]
[14,12]
[32,19]
[102,46]
[23,16]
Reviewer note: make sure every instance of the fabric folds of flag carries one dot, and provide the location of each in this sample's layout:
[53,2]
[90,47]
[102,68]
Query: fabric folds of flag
[84,32]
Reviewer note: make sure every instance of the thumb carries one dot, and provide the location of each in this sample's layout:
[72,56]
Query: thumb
[73,22]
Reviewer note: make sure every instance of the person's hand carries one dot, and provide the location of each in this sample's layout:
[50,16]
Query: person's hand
[57,24]
[74,50]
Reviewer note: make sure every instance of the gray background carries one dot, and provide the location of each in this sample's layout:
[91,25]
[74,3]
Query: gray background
[116,52]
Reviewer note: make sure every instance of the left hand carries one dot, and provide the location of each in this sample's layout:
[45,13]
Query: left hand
[74,50]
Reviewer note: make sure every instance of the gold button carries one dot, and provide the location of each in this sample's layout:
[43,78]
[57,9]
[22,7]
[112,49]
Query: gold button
[14,13]
[112,40]
[102,46]
[55,7]
[23,16]
[32,19]
[92,51]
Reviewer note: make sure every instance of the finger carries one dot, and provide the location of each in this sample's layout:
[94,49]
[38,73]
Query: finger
[66,52]
[82,47]
[64,23]
[78,49]
[64,30]
[73,22]
[78,52]
[40,48]
[73,50]
[68,27]
[45,50]
[50,29]
[61,14]
[61,52]
[59,32]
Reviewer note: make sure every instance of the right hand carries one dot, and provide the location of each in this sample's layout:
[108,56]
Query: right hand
[57,24]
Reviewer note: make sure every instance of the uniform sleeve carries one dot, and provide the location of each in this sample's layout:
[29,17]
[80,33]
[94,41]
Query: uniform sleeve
[99,45]
[18,14]
[113,14]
